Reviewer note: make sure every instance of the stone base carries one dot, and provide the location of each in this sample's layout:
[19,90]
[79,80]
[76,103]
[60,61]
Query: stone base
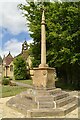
[43,103]
[44,77]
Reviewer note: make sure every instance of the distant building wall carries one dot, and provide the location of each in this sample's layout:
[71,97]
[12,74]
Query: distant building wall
[8,71]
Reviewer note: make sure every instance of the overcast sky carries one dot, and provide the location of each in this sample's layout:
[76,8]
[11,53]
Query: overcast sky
[13,29]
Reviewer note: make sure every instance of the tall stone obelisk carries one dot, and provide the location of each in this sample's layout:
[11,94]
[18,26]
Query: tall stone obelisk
[44,76]
[43,42]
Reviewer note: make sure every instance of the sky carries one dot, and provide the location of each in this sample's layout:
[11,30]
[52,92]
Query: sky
[13,28]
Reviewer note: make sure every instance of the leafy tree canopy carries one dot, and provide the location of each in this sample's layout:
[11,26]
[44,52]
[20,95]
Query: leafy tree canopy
[62,36]
[62,31]
[20,71]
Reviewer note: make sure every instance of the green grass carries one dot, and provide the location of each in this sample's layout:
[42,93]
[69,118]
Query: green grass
[25,81]
[8,91]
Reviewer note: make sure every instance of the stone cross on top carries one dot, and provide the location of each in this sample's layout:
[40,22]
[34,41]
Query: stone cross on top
[43,42]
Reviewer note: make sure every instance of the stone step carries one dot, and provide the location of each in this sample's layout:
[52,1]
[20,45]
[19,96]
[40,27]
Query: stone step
[18,102]
[45,105]
[47,98]
[55,91]
[37,92]
[64,101]
[44,112]
[48,92]
[60,95]
[55,112]
[70,107]
[42,92]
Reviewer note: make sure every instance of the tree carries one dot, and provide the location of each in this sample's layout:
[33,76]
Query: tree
[20,70]
[62,35]
[0,60]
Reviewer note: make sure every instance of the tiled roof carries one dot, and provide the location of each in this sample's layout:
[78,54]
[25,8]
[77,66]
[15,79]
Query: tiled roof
[8,59]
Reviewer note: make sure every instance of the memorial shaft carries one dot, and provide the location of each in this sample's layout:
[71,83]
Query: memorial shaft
[43,42]
[43,75]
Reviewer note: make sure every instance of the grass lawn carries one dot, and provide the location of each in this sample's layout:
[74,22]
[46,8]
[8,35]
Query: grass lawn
[12,90]
[25,81]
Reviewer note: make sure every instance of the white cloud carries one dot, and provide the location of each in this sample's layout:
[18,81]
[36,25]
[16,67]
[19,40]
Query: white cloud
[13,46]
[30,41]
[11,17]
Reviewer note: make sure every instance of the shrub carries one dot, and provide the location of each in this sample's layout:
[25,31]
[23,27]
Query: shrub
[20,70]
[5,81]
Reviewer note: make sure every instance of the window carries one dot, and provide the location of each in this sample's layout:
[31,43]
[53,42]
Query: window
[11,68]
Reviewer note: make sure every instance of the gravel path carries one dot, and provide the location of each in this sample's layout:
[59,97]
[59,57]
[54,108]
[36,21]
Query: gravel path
[7,112]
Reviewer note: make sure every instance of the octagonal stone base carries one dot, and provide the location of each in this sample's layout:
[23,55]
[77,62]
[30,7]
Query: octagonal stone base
[44,78]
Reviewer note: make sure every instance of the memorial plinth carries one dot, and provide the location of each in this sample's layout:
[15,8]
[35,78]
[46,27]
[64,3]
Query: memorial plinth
[44,78]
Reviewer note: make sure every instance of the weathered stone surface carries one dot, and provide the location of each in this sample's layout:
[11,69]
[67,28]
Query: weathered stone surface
[7,112]
[45,112]
[22,102]
[34,103]
[44,78]
[65,101]
[45,105]
[52,112]
[69,107]
[55,91]
[60,95]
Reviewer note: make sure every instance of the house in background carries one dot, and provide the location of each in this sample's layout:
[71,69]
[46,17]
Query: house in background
[8,66]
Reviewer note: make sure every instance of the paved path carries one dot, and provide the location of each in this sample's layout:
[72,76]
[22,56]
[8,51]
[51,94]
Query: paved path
[7,112]
[23,84]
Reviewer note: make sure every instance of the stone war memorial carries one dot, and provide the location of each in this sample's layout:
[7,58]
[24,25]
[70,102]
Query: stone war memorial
[44,99]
